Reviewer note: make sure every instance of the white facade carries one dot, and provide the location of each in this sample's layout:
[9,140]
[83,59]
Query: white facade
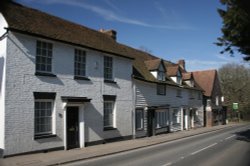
[3,43]
[17,103]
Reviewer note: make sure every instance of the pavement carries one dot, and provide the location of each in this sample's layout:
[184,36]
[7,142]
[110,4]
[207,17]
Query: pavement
[68,156]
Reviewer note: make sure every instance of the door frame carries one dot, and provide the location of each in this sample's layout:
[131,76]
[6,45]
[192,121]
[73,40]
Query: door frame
[80,120]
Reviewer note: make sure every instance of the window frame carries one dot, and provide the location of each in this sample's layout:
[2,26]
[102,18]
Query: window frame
[162,118]
[141,120]
[108,66]
[178,93]
[52,118]
[44,52]
[80,62]
[176,116]
[112,112]
[159,91]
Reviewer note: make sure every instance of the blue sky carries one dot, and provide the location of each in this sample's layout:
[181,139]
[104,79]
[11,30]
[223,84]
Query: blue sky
[170,29]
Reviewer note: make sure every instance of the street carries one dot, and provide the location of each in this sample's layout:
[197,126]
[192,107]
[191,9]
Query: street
[230,147]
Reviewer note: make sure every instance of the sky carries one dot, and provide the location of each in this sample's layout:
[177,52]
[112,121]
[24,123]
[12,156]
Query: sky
[169,29]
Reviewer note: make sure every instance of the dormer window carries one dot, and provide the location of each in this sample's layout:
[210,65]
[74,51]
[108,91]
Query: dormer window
[179,79]
[161,75]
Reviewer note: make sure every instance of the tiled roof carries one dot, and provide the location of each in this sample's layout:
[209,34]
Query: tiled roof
[186,76]
[205,80]
[152,64]
[172,70]
[34,22]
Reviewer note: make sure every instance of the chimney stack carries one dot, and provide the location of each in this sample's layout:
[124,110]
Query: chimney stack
[110,32]
[181,62]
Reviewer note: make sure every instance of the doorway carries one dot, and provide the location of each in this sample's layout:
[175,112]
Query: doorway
[72,128]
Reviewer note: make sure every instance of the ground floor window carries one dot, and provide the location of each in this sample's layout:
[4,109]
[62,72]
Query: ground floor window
[161,118]
[43,117]
[139,115]
[176,116]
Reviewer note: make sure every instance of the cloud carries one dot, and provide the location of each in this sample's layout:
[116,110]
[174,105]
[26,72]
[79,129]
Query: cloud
[110,15]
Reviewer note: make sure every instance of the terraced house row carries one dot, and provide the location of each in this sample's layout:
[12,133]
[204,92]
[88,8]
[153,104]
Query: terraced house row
[66,86]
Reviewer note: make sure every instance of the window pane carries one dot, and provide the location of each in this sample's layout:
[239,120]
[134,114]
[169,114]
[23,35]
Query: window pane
[43,56]
[43,117]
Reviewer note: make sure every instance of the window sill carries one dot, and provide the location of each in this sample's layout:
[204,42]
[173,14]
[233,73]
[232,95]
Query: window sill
[44,136]
[191,98]
[109,128]
[110,81]
[81,78]
[45,74]
[179,96]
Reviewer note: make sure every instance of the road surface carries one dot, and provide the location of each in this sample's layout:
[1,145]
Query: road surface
[230,147]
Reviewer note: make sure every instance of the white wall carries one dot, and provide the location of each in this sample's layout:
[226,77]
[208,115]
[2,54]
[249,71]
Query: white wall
[21,83]
[3,42]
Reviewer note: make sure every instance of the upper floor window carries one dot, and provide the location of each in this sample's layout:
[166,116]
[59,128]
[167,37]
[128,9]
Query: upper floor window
[80,63]
[44,57]
[161,89]
[199,96]
[178,78]
[178,93]
[108,68]
[191,95]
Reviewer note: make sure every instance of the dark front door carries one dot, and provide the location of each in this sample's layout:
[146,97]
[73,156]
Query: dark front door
[72,127]
[151,123]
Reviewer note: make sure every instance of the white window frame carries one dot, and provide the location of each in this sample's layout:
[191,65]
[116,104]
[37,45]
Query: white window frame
[161,118]
[52,117]
[44,56]
[80,63]
[139,119]
[112,112]
[176,116]
[108,66]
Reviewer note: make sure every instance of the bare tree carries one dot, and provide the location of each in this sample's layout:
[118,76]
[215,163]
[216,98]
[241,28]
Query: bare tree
[235,83]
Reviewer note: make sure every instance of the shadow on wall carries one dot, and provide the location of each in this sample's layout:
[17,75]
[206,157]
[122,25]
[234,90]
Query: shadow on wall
[1,72]
[94,122]
[243,135]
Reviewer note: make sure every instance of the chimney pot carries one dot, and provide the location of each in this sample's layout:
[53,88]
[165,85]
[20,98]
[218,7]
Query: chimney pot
[110,32]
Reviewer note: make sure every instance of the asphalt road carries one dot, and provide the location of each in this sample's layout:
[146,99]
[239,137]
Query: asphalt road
[230,147]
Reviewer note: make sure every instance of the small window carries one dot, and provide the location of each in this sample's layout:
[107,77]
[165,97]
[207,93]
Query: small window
[199,96]
[178,93]
[161,118]
[43,117]
[80,63]
[108,68]
[161,89]
[161,75]
[139,119]
[44,57]
[191,95]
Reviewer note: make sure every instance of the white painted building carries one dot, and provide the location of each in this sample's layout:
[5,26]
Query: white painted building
[57,93]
